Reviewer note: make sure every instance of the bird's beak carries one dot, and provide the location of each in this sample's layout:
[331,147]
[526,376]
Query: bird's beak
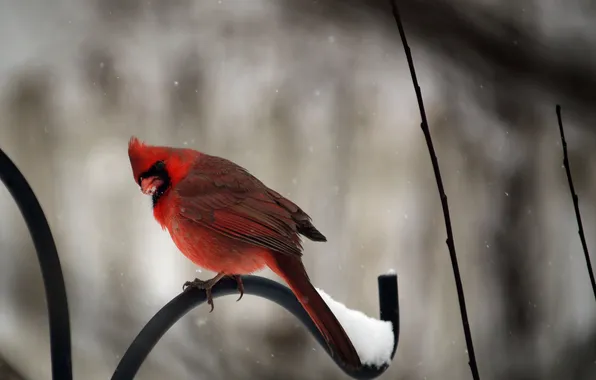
[150,185]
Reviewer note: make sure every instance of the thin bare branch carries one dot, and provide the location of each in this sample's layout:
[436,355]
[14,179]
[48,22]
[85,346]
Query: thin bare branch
[435,164]
[575,198]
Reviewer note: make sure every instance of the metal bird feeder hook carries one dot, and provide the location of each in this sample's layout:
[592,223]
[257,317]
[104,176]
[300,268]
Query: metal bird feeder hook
[137,352]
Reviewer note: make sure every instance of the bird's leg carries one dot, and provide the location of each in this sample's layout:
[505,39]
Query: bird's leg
[240,285]
[204,285]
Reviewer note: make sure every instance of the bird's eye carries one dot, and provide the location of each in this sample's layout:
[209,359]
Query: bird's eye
[160,165]
[158,169]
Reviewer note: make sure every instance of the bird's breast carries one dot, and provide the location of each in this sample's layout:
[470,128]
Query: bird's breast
[214,251]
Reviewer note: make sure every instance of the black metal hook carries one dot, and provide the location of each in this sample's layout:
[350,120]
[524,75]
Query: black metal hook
[137,352]
[51,270]
[262,287]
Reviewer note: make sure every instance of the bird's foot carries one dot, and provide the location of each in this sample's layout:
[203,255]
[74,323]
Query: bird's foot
[240,286]
[203,285]
[208,284]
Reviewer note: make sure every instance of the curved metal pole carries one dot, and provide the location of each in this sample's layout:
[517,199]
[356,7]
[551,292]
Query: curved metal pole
[259,286]
[51,271]
[59,321]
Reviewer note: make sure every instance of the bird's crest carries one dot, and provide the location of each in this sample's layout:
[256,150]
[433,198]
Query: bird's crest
[142,156]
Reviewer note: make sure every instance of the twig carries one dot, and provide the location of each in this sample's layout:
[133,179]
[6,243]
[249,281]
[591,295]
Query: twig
[435,164]
[575,198]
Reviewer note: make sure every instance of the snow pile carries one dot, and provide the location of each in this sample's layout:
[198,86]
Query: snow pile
[372,338]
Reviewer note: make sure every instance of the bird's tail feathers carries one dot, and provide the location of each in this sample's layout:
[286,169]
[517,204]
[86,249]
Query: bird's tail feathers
[292,270]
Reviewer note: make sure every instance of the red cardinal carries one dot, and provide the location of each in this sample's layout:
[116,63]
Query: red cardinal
[227,221]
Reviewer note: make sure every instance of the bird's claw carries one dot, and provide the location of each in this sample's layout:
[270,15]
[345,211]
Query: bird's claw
[201,285]
[240,286]
[207,285]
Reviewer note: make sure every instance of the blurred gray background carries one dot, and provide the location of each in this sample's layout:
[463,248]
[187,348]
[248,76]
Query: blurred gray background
[314,98]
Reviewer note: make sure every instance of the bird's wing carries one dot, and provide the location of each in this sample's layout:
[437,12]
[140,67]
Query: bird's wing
[224,197]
